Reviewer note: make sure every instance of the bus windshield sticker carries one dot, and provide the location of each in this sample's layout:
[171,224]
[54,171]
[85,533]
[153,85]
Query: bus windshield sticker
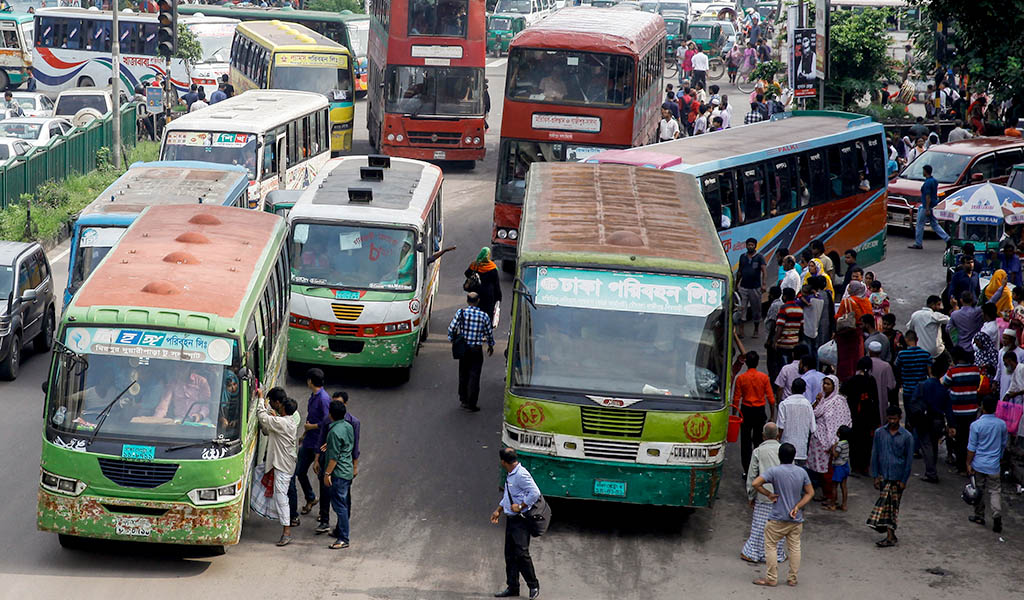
[631,292]
[100,237]
[149,343]
[203,138]
[352,240]
[305,59]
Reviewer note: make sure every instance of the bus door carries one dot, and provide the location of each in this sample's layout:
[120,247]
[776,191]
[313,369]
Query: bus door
[282,162]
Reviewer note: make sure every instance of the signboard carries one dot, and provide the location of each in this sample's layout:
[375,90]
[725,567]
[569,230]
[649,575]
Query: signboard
[802,59]
[306,59]
[628,291]
[100,237]
[203,138]
[437,51]
[154,99]
[821,19]
[566,122]
[150,344]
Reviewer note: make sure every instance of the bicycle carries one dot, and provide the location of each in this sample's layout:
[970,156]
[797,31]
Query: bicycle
[671,69]
[747,85]
[716,68]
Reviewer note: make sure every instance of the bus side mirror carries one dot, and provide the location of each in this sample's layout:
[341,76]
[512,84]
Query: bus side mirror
[420,247]
[46,385]
[246,374]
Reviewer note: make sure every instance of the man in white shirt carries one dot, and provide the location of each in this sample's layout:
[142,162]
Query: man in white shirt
[200,103]
[927,323]
[796,421]
[958,133]
[1009,344]
[700,67]
[791,279]
[281,428]
[668,127]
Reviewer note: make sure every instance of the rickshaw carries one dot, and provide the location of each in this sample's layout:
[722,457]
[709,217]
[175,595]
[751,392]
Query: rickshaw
[675,27]
[501,28]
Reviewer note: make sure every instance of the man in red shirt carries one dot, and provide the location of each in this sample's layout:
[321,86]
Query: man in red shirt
[753,391]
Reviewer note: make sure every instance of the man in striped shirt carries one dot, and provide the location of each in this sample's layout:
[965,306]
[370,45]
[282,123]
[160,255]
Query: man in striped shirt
[788,325]
[912,365]
[962,380]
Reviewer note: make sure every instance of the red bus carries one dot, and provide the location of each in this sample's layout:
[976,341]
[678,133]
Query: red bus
[426,78]
[581,81]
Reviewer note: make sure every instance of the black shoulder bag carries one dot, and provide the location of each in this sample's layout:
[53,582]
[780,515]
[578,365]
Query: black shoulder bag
[538,517]
[459,344]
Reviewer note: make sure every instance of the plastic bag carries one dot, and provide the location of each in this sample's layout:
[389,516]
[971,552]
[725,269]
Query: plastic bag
[261,499]
[828,353]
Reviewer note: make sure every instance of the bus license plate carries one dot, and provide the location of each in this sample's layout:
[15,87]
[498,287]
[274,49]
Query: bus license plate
[133,526]
[603,487]
[130,452]
[439,155]
[691,453]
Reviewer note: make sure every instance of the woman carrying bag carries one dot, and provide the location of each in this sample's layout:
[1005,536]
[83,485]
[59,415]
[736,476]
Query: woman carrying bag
[482,278]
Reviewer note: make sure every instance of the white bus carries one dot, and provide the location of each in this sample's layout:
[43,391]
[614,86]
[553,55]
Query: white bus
[365,238]
[281,137]
[72,49]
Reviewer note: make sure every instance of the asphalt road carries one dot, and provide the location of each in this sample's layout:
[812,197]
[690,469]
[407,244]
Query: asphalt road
[429,479]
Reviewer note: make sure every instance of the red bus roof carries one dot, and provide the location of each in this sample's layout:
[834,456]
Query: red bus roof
[594,30]
[199,258]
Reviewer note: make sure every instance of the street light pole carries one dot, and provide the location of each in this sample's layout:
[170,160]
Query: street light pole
[115,83]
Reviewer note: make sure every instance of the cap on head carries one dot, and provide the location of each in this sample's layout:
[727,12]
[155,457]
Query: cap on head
[875,346]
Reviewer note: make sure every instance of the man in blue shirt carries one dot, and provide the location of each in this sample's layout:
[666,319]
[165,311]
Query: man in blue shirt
[316,412]
[1010,262]
[191,96]
[892,458]
[520,494]
[929,198]
[218,95]
[475,327]
[930,413]
[965,279]
[323,523]
[984,453]
[791,492]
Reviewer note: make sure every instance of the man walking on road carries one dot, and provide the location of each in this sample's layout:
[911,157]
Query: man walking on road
[929,198]
[984,453]
[699,61]
[926,323]
[753,392]
[892,458]
[764,457]
[520,494]
[930,414]
[796,421]
[339,471]
[792,491]
[475,327]
[751,272]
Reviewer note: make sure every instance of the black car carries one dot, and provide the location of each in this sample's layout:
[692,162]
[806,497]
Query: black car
[27,309]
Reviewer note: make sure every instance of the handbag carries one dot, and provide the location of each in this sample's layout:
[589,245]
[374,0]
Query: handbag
[459,343]
[848,320]
[472,282]
[538,517]
[1011,414]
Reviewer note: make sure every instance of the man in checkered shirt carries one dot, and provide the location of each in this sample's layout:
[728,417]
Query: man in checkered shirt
[754,116]
[475,326]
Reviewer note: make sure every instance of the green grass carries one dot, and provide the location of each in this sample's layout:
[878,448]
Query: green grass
[56,203]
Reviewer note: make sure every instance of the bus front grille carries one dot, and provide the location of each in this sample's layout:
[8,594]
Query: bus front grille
[612,421]
[440,138]
[610,449]
[135,474]
[347,312]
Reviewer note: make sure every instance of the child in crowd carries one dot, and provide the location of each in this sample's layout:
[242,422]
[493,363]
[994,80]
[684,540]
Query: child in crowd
[879,302]
[840,465]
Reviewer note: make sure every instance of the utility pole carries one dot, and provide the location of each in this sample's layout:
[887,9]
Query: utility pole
[115,84]
[167,43]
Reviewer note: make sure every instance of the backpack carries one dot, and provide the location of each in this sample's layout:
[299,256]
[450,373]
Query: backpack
[472,282]
[684,104]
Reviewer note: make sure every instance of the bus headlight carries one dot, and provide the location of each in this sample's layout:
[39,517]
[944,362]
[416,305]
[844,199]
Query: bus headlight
[476,140]
[200,496]
[502,234]
[300,322]
[399,137]
[391,137]
[513,234]
[60,485]
[393,328]
[469,140]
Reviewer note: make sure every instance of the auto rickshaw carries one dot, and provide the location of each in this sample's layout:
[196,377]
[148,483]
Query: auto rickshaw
[675,27]
[501,28]
[708,36]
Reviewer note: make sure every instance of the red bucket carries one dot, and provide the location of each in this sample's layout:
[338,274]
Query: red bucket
[733,433]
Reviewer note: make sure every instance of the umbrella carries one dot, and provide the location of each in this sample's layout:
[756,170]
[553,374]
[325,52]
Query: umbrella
[984,203]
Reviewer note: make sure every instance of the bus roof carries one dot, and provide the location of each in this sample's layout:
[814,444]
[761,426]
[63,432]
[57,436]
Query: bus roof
[594,30]
[403,196]
[607,209]
[104,15]
[282,35]
[17,17]
[200,259]
[247,112]
[790,128]
[168,182]
[266,13]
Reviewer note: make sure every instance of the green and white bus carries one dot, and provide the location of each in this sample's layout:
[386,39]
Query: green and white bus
[150,428]
[618,360]
[365,236]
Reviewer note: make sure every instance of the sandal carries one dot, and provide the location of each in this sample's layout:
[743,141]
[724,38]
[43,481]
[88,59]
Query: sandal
[285,540]
[338,545]
[886,543]
[763,582]
[747,558]
[831,507]
[309,506]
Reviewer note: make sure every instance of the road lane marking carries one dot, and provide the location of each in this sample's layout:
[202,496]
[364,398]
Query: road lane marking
[497,63]
[60,256]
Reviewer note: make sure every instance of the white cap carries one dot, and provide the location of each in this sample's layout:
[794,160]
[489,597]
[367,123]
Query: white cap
[875,346]
[715,101]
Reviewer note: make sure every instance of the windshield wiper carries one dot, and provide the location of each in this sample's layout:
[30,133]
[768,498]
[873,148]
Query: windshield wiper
[220,440]
[106,411]
[74,356]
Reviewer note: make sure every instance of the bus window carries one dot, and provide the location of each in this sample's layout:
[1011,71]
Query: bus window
[713,198]
[731,214]
[850,166]
[572,77]
[781,195]
[875,153]
[10,39]
[270,155]
[438,17]
[752,192]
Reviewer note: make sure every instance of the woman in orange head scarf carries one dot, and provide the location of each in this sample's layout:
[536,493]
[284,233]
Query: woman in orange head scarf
[489,287]
[997,293]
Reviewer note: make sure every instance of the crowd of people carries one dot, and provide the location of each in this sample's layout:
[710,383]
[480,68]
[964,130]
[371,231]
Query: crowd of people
[845,393]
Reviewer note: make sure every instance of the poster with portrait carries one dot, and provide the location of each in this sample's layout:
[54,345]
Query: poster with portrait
[804,77]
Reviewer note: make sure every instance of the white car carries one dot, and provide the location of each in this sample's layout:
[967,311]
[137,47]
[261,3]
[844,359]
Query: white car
[34,104]
[10,148]
[37,131]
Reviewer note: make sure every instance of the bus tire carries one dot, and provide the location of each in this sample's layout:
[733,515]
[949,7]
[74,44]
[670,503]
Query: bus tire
[86,82]
[402,375]
[217,550]
[69,542]
[508,266]
[5,81]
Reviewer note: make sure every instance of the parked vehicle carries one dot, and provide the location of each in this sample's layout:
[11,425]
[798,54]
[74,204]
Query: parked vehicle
[26,303]
[9,148]
[708,36]
[531,10]
[82,105]
[501,28]
[37,131]
[34,104]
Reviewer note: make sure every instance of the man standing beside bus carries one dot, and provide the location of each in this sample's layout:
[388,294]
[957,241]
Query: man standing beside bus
[520,493]
[751,272]
[929,198]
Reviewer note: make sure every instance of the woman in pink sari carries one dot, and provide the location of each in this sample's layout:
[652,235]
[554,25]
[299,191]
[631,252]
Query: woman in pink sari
[830,412]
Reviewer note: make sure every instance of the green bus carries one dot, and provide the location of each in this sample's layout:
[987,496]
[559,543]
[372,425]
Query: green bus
[619,343]
[150,428]
[365,238]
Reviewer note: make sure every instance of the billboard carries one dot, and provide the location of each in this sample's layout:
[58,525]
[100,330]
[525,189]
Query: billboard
[821,18]
[802,59]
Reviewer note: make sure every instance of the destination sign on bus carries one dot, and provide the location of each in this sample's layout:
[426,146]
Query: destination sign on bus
[566,122]
[628,291]
[151,344]
[203,138]
[299,59]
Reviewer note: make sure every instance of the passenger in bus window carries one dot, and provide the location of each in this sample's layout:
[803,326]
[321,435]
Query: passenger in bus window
[187,400]
[553,86]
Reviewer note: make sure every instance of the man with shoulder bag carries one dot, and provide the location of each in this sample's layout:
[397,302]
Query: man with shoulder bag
[469,329]
[526,515]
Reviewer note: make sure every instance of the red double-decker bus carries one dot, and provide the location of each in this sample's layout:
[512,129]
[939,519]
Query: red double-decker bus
[426,78]
[580,81]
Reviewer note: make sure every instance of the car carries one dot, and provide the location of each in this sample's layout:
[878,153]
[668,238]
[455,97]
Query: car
[9,148]
[34,104]
[37,131]
[81,105]
[27,308]
[954,165]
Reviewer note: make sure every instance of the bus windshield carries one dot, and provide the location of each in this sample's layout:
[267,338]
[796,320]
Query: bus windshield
[946,166]
[359,36]
[179,386]
[435,91]
[214,39]
[92,245]
[518,155]
[215,147]
[313,73]
[570,77]
[667,332]
[353,256]
[513,6]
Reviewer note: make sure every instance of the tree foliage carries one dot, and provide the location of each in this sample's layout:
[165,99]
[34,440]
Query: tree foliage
[188,45]
[355,6]
[858,55]
[987,36]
